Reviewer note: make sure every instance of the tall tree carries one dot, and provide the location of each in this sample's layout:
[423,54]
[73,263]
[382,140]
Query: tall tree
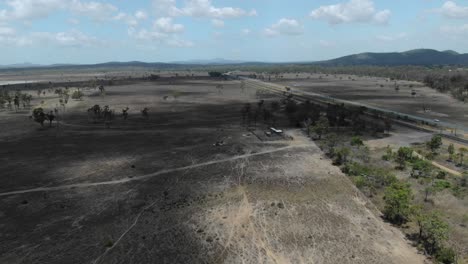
[397,199]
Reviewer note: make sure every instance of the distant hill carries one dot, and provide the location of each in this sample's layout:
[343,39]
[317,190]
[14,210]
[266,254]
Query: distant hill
[210,62]
[421,57]
[418,57]
[20,65]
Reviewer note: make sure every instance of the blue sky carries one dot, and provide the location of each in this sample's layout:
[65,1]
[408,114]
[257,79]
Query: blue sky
[93,31]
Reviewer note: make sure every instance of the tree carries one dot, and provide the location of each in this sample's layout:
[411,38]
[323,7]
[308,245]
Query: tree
[125,113]
[421,168]
[404,154]
[433,232]
[451,151]
[215,74]
[242,86]
[356,141]
[102,90]
[461,155]
[77,95]
[387,124]
[321,127]
[145,113]
[16,101]
[342,155]
[397,199]
[331,140]
[39,115]
[435,143]
[50,116]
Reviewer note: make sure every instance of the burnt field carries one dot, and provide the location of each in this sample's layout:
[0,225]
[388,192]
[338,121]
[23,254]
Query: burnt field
[396,95]
[186,184]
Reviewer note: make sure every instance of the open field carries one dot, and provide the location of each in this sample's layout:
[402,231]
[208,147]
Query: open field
[159,189]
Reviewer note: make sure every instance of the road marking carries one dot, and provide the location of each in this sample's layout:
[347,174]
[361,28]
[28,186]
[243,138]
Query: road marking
[147,176]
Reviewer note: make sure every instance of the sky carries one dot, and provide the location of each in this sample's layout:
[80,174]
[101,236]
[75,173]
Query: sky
[95,31]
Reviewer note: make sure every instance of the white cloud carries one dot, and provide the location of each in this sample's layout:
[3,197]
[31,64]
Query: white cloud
[95,10]
[389,38]
[8,36]
[28,10]
[165,8]
[165,25]
[217,23]
[246,31]
[285,26]
[127,19]
[451,10]
[72,38]
[144,34]
[164,31]
[7,31]
[141,15]
[199,8]
[361,11]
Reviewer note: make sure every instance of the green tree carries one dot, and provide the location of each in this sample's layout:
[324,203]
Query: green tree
[397,199]
[446,255]
[215,74]
[331,140]
[434,231]
[388,153]
[77,95]
[435,143]
[321,126]
[404,154]
[451,151]
[39,116]
[461,155]
[356,141]
[342,155]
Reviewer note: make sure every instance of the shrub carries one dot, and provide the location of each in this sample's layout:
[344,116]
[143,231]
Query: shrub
[356,141]
[215,74]
[446,255]
[397,199]
[77,95]
[440,185]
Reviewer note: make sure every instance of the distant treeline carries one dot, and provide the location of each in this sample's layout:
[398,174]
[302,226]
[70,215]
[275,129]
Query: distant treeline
[444,79]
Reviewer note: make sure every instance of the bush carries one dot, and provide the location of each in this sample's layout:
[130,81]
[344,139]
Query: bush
[77,95]
[370,176]
[356,141]
[440,185]
[421,168]
[446,255]
[215,74]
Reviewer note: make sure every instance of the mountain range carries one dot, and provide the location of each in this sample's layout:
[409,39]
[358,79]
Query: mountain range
[419,57]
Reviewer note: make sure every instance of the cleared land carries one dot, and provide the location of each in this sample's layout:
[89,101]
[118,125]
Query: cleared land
[158,189]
